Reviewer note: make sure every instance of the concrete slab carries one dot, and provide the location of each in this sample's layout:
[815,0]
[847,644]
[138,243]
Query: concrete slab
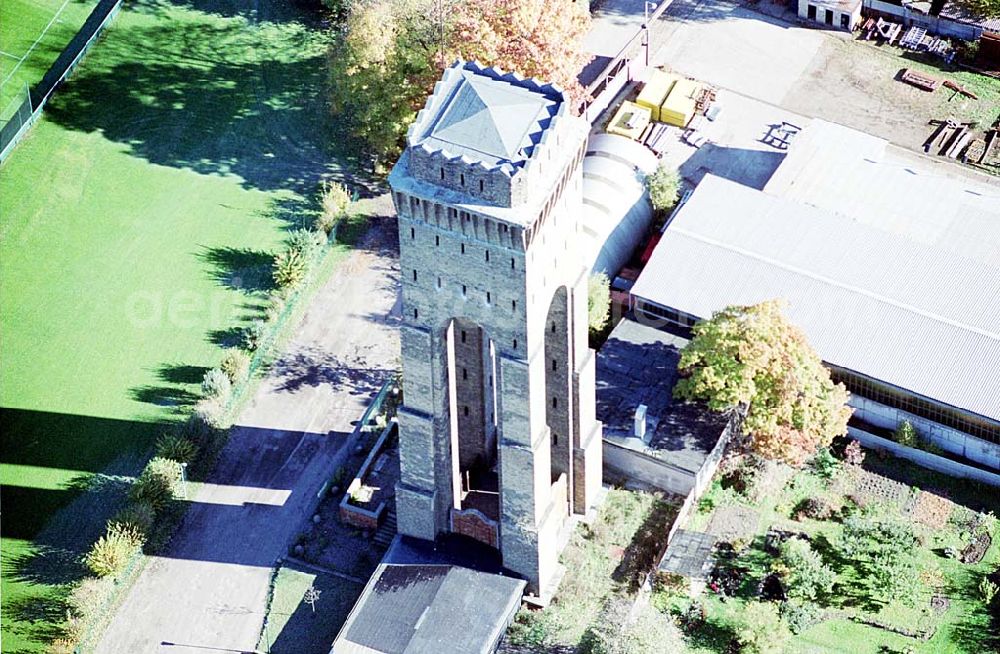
[727,45]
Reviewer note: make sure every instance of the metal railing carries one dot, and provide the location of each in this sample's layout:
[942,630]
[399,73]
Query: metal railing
[30,104]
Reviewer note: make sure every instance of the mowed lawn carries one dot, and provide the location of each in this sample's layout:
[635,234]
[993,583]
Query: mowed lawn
[136,225]
[39,29]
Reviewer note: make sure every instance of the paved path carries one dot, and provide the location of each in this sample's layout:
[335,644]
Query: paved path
[207,592]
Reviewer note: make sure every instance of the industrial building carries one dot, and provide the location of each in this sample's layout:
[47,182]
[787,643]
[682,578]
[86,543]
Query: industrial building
[892,270]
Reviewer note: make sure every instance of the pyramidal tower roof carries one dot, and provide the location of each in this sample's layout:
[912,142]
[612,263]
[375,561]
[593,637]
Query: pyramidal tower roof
[486,116]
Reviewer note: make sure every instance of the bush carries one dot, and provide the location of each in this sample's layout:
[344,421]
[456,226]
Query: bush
[335,199]
[216,385]
[156,486]
[137,517]
[813,507]
[906,435]
[800,615]
[253,335]
[615,633]
[289,268]
[88,598]
[761,630]
[987,590]
[805,575]
[176,447]
[306,241]
[113,551]
[598,303]
[824,463]
[881,550]
[530,629]
[236,365]
[664,185]
[746,477]
[212,414]
[853,453]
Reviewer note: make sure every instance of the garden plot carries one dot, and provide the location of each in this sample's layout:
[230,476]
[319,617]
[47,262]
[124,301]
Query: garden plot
[853,559]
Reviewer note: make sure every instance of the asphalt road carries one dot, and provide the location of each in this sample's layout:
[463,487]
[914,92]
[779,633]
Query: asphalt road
[207,592]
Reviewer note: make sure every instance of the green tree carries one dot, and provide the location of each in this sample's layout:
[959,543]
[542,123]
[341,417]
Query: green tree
[390,53]
[806,576]
[980,8]
[664,185]
[761,630]
[598,302]
[750,358]
[881,550]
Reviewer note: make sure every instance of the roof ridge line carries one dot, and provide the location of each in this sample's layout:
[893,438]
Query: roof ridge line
[832,282]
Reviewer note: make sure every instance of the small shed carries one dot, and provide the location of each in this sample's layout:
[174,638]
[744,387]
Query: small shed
[838,14]
[680,106]
[655,91]
[430,609]
[629,121]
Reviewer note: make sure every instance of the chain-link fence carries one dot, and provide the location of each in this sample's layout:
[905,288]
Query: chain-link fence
[25,109]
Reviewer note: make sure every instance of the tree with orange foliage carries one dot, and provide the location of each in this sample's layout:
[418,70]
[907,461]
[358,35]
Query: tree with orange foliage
[750,358]
[389,54]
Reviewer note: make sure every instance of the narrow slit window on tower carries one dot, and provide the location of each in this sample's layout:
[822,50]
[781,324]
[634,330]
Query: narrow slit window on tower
[553,364]
[439,282]
[413,233]
[465,373]
[463,335]
[553,328]
[489,298]
[555,440]
[515,343]
[414,274]
[487,256]
[464,291]
[463,248]
[513,305]
[512,263]
[555,402]
[442,172]
[465,410]
[437,240]
[480,186]
[461,179]
[415,314]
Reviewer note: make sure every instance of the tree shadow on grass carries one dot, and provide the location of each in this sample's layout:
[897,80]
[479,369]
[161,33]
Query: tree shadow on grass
[181,374]
[240,269]
[216,96]
[172,397]
[38,618]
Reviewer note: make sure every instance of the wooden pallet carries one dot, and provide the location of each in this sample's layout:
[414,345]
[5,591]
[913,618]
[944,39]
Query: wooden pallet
[920,80]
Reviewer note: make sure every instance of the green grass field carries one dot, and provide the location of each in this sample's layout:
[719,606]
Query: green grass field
[136,222]
[293,625]
[23,61]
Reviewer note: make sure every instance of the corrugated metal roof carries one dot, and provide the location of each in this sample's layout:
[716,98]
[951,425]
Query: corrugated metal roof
[852,174]
[616,209]
[916,316]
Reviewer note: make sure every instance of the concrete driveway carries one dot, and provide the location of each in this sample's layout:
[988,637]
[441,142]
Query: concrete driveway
[735,48]
[207,592]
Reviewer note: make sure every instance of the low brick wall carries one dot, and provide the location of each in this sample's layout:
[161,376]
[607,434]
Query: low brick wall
[355,515]
[358,517]
[474,524]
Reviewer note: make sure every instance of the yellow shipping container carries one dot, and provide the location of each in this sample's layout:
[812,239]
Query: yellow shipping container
[629,121]
[678,109]
[655,91]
